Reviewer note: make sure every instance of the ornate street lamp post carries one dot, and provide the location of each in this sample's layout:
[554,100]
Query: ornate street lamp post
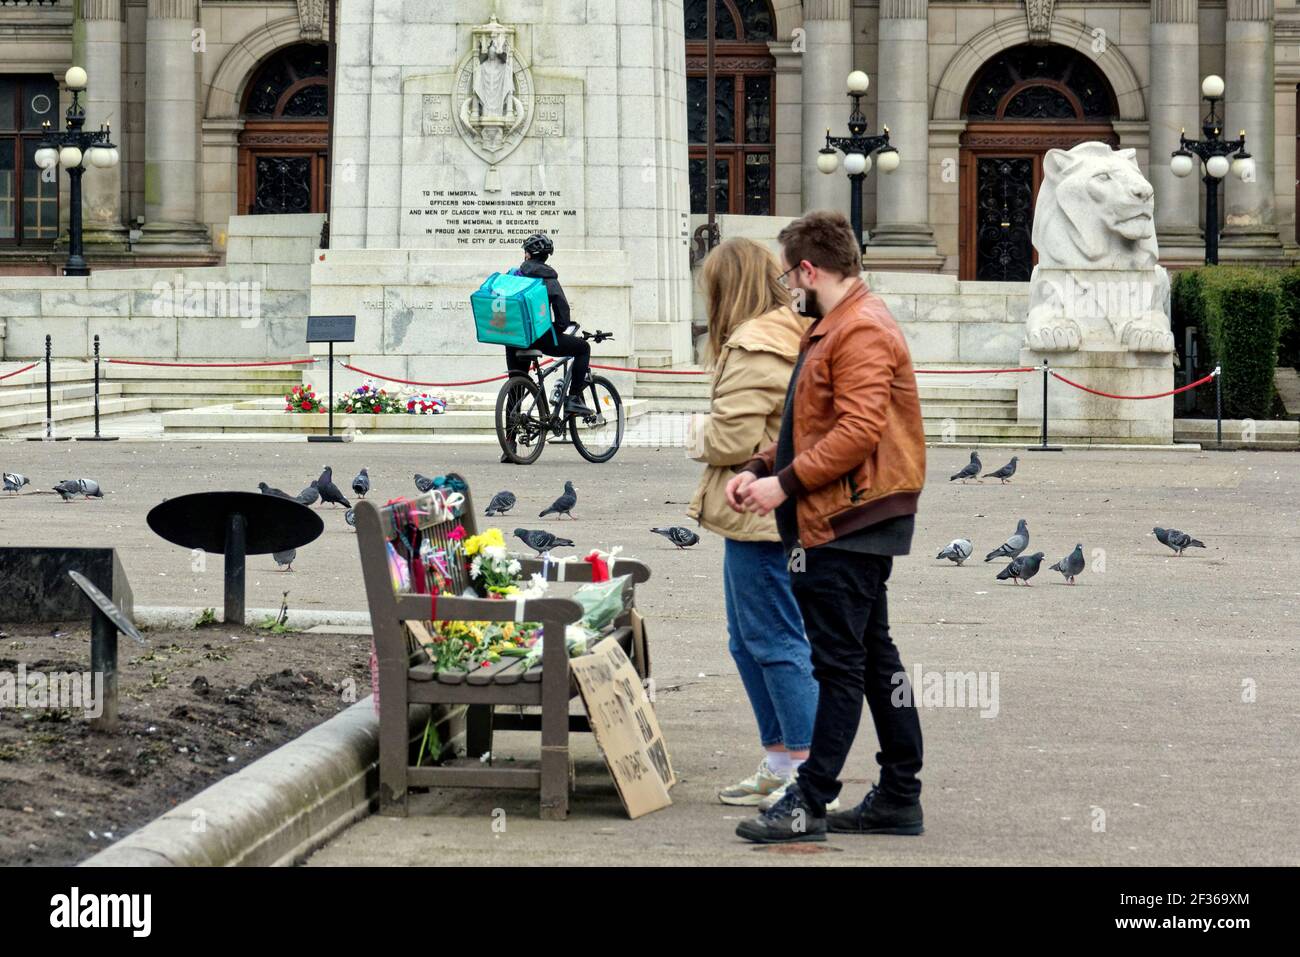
[72,149]
[857,148]
[1213,152]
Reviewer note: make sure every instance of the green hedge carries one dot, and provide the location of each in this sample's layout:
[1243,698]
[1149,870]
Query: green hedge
[1239,312]
[1288,353]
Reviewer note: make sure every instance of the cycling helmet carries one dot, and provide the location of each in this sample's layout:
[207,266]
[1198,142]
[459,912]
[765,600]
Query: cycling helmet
[539,244]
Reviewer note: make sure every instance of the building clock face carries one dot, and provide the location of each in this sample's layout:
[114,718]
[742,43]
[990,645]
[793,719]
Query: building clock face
[492,105]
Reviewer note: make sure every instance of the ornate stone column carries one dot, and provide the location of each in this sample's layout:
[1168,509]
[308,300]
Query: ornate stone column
[170,136]
[827,63]
[903,197]
[97,47]
[1174,104]
[1248,220]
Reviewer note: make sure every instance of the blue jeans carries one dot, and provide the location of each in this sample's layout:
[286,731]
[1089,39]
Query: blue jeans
[768,644]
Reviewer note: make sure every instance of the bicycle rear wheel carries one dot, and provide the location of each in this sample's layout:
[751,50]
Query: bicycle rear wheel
[521,430]
[597,437]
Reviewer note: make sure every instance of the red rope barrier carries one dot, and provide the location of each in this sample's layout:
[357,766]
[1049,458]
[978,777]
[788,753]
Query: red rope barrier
[376,375]
[10,375]
[1158,395]
[973,371]
[213,365]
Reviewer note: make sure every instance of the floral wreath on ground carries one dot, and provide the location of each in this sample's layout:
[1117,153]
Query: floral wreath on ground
[368,399]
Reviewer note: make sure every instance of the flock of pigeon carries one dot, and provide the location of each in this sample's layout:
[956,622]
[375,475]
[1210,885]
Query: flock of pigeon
[1024,567]
[68,489]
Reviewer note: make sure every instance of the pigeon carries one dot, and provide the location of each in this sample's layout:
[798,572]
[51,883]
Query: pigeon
[1071,564]
[269,490]
[1022,569]
[68,489]
[350,516]
[90,488]
[361,484]
[423,482]
[972,469]
[501,503]
[285,559]
[1176,540]
[310,495]
[329,492]
[539,541]
[1005,472]
[958,550]
[14,482]
[1013,546]
[563,504]
[681,537]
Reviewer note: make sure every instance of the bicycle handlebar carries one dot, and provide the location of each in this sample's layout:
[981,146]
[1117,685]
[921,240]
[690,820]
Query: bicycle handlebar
[598,336]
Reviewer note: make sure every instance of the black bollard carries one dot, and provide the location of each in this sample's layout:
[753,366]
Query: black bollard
[236,549]
[1218,404]
[49,403]
[97,437]
[1044,447]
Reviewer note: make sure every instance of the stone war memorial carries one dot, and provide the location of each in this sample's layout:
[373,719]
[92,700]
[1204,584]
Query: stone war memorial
[465,127]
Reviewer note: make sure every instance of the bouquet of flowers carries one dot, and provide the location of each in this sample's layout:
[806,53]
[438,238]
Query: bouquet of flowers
[368,399]
[302,399]
[425,404]
[492,569]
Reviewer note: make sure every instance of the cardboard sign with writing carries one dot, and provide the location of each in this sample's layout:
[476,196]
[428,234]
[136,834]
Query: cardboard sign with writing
[623,721]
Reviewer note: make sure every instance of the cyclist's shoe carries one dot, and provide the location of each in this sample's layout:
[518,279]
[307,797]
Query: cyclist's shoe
[506,459]
[574,405]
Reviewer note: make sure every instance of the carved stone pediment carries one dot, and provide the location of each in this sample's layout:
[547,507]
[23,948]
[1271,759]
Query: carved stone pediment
[311,18]
[1039,15]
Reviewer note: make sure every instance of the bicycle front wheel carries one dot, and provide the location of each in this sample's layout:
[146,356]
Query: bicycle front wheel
[521,430]
[597,437]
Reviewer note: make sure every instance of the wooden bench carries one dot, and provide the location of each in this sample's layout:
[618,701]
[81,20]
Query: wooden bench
[406,677]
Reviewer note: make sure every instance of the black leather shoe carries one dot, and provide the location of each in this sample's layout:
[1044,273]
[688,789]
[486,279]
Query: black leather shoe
[787,821]
[574,405]
[878,814]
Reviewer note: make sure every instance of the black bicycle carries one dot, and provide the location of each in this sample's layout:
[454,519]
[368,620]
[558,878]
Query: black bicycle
[525,417]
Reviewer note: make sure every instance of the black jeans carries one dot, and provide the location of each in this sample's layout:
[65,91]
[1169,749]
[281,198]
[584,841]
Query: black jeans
[565,345]
[842,596]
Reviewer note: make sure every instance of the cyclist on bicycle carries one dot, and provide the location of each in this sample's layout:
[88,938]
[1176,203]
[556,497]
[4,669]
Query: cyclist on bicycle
[537,249]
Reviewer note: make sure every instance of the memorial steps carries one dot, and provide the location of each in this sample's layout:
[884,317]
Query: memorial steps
[955,410]
[124,390]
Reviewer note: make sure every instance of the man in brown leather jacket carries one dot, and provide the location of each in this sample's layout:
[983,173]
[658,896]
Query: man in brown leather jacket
[844,478]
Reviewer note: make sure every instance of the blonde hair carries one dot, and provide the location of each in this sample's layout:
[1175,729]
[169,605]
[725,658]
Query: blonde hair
[740,279]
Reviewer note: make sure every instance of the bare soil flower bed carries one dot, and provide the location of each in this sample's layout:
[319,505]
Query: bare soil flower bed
[194,705]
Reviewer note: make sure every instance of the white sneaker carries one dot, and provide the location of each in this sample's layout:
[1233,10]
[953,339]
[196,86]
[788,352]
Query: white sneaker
[761,785]
[767,802]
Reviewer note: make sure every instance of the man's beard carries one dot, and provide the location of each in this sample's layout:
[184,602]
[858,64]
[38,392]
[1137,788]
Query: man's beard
[810,307]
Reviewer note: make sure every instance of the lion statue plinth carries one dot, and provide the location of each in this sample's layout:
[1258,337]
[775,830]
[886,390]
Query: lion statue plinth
[1097,284]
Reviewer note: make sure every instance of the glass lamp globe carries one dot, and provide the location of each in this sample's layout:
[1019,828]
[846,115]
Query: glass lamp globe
[1217,166]
[828,161]
[46,157]
[75,78]
[1243,167]
[1212,86]
[856,163]
[100,157]
[69,157]
[858,82]
[1181,164]
[887,160]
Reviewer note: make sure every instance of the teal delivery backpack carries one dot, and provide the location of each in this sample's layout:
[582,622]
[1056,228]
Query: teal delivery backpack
[511,310]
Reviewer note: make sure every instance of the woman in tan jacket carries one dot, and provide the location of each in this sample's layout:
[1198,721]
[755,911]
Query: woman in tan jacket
[754,340]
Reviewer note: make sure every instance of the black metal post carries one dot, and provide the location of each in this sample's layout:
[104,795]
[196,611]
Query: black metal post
[97,437]
[1044,447]
[856,181]
[76,265]
[103,662]
[330,437]
[711,133]
[236,548]
[49,393]
[1211,220]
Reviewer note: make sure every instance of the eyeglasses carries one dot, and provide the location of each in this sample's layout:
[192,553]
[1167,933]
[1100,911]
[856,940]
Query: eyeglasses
[781,278]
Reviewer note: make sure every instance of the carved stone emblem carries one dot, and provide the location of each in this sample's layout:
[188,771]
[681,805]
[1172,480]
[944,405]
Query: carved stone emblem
[311,18]
[1039,15]
[494,93]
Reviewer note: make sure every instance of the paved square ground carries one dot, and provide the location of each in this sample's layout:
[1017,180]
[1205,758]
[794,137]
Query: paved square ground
[1147,716]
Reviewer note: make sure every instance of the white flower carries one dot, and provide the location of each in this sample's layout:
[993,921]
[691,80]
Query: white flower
[513,567]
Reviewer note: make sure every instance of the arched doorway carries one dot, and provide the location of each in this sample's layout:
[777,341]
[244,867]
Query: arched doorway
[284,146]
[744,105]
[1024,101]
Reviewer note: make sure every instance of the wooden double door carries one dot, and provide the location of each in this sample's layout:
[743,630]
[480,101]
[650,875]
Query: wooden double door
[1001,170]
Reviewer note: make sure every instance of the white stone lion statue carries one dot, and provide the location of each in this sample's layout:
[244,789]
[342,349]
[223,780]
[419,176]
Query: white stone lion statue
[1097,279]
